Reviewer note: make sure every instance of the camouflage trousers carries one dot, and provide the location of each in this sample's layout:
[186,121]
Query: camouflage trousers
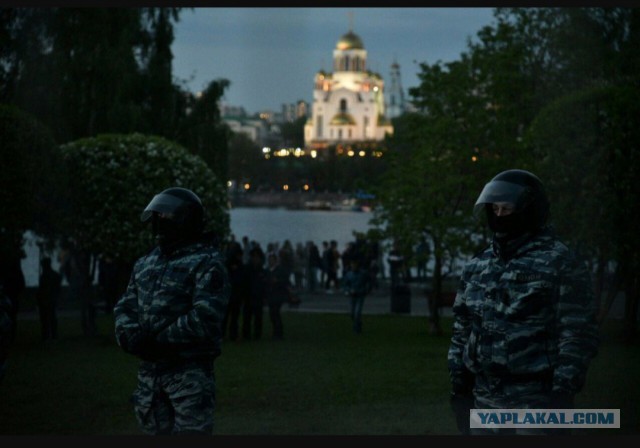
[176,399]
[514,393]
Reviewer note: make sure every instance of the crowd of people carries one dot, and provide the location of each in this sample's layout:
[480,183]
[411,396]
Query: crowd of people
[273,276]
[269,277]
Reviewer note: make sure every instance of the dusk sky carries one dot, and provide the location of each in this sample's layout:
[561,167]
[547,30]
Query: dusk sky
[271,55]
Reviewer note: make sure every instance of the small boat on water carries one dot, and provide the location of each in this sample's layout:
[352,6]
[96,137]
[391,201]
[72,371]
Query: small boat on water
[318,205]
[346,205]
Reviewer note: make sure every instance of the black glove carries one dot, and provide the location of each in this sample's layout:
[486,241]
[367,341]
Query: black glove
[148,348]
[142,345]
[461,404]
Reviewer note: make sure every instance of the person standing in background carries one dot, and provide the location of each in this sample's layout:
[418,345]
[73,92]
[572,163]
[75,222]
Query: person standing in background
[12,279]
[357,285]
[278,290]
[76,266]
[238,299]
[47,295]
[314,263]
[254,308]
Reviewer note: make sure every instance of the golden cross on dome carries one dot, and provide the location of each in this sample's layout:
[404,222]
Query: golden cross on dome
[350,14]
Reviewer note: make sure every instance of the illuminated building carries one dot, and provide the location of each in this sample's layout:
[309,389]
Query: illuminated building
[348,104]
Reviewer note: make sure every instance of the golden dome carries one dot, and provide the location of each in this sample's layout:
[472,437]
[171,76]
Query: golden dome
[342,119]
[350,41]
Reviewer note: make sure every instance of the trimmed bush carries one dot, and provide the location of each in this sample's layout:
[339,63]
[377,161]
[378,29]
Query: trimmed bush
[113,177]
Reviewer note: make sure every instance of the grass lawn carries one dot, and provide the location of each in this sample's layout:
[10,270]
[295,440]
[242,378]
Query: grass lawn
[321,380]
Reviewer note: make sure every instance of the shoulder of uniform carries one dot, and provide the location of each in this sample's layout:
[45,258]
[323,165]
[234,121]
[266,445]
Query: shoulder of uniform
[151,252]
[213,257]
[554,244]
[482,252]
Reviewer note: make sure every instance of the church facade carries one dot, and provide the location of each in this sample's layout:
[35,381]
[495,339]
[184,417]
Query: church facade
[349,103]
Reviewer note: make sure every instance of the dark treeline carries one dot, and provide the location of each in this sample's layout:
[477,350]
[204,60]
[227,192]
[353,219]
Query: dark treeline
[90,71]
[551,90]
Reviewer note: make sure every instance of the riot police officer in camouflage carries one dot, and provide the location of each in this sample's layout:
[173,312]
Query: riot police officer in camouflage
[170,317]
[524,328]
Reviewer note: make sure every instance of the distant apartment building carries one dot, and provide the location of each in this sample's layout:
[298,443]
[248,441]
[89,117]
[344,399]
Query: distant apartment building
[239,122]
[264,127]
[293,111]
[348,103]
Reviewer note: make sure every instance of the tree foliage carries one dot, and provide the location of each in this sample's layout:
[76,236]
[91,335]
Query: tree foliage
[529,93]
[590,153]
[89,71]
[202,130]
[113,177]
[293,133]
[28,187]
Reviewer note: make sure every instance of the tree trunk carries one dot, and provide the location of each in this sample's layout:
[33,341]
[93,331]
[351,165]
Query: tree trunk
[435,296]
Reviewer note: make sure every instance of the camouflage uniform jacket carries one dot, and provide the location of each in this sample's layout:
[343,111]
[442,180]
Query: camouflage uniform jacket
[528,315]
[180,298]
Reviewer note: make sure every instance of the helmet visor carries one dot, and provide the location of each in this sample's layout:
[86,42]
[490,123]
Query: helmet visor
[161,203]
[499,191]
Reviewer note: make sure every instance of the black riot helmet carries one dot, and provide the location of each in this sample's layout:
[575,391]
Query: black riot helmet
[524,192]
[176,215]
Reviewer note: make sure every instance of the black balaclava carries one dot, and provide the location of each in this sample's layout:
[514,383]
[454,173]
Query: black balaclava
[167,233]
[525,192]
[509,226]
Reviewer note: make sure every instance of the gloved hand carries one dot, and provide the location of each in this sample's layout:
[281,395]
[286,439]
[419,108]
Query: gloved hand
[461,404]
[142,345]
[148,348]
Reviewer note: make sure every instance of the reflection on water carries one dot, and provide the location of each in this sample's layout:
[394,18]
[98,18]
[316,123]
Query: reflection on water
[267,225]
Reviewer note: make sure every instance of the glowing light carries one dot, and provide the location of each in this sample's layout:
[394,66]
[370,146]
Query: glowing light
[306,187]
[362,153]
[314,153]
[351,153]
[474,159]
[247,186]
[229,183]
[266,150]
[285,187]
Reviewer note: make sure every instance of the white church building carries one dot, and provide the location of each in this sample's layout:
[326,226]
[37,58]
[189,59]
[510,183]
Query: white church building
[349,104]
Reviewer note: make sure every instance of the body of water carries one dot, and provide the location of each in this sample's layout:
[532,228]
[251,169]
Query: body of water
[267,225]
